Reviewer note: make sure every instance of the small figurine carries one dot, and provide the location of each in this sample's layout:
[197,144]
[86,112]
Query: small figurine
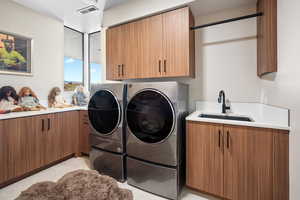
[28,100]
[9,100]
[80,97]
[56,100]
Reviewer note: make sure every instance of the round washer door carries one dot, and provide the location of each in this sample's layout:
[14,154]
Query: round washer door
[150,116]
[104,112]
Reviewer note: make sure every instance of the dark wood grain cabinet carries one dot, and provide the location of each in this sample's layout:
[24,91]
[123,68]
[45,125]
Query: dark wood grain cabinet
[157,46]
[84,136]
[31,143]
[267,37]
[205,157]
[70,133]
[236,162]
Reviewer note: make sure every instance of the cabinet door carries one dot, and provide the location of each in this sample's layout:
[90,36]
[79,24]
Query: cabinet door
[114,52]
[150,49]
[84,133]
[248,163]
[17,146]
[52,133]
[3,154]
[69,134]
[29,144]
[40,140]
[129,50]
[205,157]
[12,136]
[176,34]
[267,37]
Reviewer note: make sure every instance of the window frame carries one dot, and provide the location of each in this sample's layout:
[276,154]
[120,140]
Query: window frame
[83,56]
[89,57]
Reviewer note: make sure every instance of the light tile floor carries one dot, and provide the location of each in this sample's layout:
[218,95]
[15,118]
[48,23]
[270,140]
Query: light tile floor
[54,173]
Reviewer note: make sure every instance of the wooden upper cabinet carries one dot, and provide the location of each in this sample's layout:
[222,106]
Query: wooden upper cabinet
[129,51]
[205,157]
[114,51]
[157,46]
[150,47]
[267,37]
[248,163]
[178,43]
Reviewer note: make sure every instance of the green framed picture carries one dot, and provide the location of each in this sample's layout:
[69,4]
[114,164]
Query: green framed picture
[15,54]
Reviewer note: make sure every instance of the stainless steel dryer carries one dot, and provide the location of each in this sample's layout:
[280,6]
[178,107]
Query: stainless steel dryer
[155,146]
[106,117]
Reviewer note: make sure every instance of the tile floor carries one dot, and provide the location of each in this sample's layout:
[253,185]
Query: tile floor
[54,173]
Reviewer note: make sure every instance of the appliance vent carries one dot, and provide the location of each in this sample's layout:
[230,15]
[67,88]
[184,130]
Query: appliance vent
[88,9]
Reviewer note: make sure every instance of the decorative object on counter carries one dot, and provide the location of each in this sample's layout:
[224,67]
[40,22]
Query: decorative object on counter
[80,96]
[80,185]
[28,100]
[9,100]
[56,100]
[15,54]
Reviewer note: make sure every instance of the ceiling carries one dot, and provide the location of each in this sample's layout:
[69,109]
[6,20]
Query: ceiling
[66,11]
[111,3]
[204,7]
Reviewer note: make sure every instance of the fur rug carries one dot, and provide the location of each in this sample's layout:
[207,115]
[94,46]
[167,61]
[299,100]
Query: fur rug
[78,185]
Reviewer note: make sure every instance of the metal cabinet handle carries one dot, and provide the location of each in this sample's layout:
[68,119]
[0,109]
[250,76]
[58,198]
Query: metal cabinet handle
[122,69]
[165,66]
[228,139]
[219,138]
[43,125]
[119,70]
[159,66]
[49,124]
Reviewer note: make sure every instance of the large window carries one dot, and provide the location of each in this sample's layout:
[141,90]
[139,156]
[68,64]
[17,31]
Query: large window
[73,59]
[95,58]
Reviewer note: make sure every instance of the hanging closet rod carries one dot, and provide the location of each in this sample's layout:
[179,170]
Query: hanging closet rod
[227,21]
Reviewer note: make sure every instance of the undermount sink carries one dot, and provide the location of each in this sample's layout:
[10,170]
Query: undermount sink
[226,117]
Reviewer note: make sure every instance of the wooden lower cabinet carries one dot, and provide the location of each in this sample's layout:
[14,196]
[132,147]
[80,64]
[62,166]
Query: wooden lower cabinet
[236,162]
[19,150]
[52,133]
[3,155]
[248,163]
[30,143]
[205,158]
[84,135]
[70,133]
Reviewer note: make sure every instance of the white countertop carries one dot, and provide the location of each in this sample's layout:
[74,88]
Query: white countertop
[13,115]
[263,116]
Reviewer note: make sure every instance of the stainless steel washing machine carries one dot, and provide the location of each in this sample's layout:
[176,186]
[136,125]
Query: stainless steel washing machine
[156,136]
[106,117]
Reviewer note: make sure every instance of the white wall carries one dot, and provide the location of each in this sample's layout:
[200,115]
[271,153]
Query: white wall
[138,8]
[226,59]
[283,88]
[48,48]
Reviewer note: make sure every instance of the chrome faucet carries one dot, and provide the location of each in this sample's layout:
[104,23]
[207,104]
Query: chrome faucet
[222,99]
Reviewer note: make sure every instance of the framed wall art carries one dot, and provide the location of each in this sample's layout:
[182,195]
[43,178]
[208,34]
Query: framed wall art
[15,54]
